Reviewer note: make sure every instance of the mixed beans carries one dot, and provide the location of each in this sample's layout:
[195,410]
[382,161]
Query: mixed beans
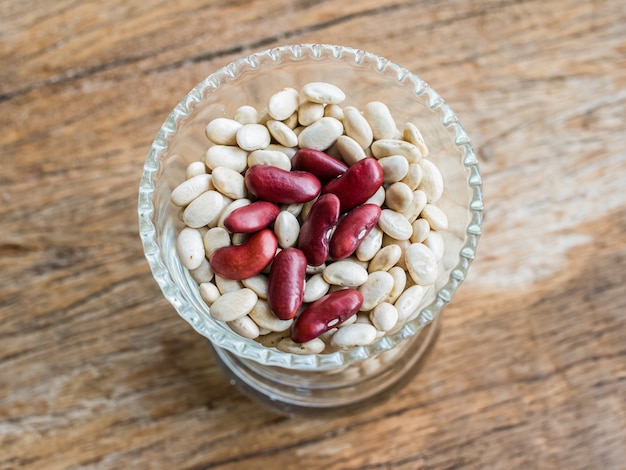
[309,226]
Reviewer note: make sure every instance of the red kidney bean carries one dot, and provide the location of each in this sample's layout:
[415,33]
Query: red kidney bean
[274,184]
[352,229]
[286,283]
[319,163]
[252,218]
[315,230]
[243,261]
[357,184]
[326,313]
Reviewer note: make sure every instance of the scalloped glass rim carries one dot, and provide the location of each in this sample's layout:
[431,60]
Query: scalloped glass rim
[221,335]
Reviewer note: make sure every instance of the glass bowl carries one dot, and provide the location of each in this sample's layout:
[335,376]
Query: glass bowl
[344,379]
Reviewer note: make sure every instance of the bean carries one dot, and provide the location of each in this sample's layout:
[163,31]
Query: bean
[375,289]
[417,205]
[190,189]
[269,157]
[195,169]
[283,104]
[286,283]
[315,230]
[245,327]
[399,283]
[322,92]
[435,242]
[350,150]
[378,197]
[395,167]
[409,301]
[224,155]
[229,182]
[252,217]
[282,133]
[321,134]
[289,151]
[358,334]
[412,134]
[398,197]
[263,316]
[233,305]
[258,283]
[225,285]
[432,182]
[346,273]
[395,224]
[380,119]
[326,313]
[387,147]
[190,248]
[386,258]
[351,230]
[253,137]
[334,110]
[414,176]
[286,229]
[209,292]
[437,218]
[223,131]
[318,163]
[421,263]
[215,238]
[314,346]
[246,115]
[309,112]
[245,260]
[384,316]
[357,127]
[202,273]
[277,185]
[421,229]
[370,245]
[357,184]
[205,209]
[315,288]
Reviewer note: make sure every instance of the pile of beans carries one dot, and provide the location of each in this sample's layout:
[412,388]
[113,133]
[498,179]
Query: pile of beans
[309,226]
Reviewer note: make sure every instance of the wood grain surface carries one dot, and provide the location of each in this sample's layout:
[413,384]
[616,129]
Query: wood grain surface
[97,371]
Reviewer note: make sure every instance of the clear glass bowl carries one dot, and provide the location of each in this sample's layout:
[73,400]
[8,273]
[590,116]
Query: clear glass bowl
[340,380]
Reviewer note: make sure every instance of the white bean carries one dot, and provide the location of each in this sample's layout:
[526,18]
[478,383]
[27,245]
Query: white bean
[225,285]
[229,182]
[395,167]
[357,334]
[322,92]
[421,263]
[432,182]
[246,115]
[357,127]
[315,288]
[309,112]
[378,197]
[236,204]
[380,119]
[195,169]
[204,209]
[350,150]
[265,318]
[253,137]
[334,110]
[395,224]
[386,258]
[202,273]
[245,327]
[376,289]
[414,176]
[286,229]
[370,245]
[437,218]
[412,134]
[282,133]
[387,147]
[417,205]
[345,273]
[233,305]
[269,157]
[384,316]
[209,292]
[258,283]
[321,134]
[216,237]
[435,242]
[398,197]
[190,189]
[226,155]
[190,248]
[283,104]
[421,229]
[223,131]
[315,346]
[409,301]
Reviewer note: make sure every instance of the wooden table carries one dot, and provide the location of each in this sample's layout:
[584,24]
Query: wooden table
[98,371]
